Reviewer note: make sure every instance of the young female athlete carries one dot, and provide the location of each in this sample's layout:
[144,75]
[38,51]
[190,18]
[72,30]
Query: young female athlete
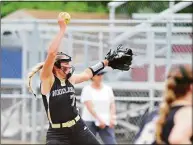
[174,118]
[57,80]
[174,125]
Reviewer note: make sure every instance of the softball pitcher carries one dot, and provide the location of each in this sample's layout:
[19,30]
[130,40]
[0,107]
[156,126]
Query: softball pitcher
[58,93]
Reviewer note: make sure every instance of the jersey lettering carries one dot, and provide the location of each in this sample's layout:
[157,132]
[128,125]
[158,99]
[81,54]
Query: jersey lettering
[63,91]
[73,97]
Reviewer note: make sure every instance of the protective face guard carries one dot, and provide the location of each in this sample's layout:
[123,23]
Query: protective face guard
[67,69]
[62,57]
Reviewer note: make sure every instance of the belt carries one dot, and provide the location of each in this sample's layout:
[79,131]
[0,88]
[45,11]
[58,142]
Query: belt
[66,124]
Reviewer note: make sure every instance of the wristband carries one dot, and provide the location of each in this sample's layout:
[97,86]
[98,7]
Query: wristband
[97,67]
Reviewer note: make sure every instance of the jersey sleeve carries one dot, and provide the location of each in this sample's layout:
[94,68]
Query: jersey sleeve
[85,94]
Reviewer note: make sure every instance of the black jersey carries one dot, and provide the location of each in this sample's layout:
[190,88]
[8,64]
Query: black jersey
[169,124]
[146,134]
[60,103]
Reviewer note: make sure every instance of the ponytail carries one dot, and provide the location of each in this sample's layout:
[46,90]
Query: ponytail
[35,69]
[164,109]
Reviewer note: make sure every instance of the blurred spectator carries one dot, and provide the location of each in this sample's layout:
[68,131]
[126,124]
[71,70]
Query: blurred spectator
[99,109]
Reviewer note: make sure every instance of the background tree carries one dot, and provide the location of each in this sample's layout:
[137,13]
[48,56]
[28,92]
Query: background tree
[95,6]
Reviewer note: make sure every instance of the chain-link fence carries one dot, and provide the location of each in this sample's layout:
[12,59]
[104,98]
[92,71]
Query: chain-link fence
[157,43]
[33,124]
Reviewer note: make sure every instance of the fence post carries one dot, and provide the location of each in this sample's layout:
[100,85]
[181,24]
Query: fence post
[111,18]
[42,113]
[151,70]
[100,45]
[70,44]
[24,36]
[169,46]
[36,51]
[86,56]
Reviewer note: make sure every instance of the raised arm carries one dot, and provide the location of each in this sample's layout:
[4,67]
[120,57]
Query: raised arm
[88,73]
[46,74]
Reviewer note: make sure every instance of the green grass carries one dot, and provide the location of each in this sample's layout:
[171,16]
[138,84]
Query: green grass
[96,6]
[8,7]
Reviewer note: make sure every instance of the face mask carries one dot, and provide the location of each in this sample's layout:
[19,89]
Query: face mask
[66,68]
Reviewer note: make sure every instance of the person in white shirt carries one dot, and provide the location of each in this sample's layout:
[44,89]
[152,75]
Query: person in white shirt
[99,110]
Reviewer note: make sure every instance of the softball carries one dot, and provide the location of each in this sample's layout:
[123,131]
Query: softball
[66,16]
